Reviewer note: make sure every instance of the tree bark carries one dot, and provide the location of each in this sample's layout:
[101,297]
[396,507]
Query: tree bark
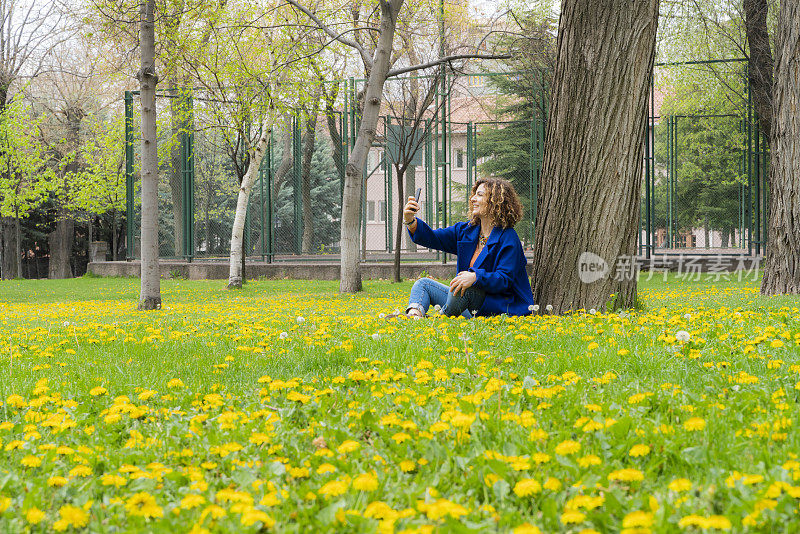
[60,244]
[399,237]
[353,178]
[236,272]
[150,292]
[592,169]
[782,266]
[18,238]
[10,249]
[760,64]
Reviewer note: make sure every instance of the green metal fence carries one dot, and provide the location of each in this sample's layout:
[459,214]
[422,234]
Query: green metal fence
[689,204]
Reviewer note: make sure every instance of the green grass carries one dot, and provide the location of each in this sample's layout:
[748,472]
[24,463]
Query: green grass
[447,415]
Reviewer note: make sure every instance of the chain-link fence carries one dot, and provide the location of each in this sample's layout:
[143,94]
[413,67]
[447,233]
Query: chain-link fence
[703,188]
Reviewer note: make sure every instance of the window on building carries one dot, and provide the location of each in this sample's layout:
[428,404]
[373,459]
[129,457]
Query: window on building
[382,211]
[459,158]
[475,81]
[370,210]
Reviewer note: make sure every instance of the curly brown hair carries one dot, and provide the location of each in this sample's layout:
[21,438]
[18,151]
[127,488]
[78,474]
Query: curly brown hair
[505,208]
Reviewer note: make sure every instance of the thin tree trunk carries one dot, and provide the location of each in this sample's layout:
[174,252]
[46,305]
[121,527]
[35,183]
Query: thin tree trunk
[782,267]
[353,178]
[10,248]
[591,174]
[150,292]
[236,273]
[60,244]
[18,238]
[399,226]
[760,64]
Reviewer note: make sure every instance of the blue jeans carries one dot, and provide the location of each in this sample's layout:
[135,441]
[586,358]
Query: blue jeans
[426,293]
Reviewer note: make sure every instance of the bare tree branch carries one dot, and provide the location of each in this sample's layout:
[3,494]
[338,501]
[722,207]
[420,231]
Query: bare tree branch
[446,59]
[365,56]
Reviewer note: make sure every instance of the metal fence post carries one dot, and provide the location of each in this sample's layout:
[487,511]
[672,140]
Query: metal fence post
[129,204]
[187,162]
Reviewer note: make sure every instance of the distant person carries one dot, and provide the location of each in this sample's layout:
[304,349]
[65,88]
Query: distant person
[491,275]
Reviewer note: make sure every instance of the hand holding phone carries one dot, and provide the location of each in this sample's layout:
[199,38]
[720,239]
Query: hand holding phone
[412,207]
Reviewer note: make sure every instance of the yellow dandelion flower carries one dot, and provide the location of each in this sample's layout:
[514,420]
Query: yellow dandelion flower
[97,391]
[552,484]
[589,460]
[626,475]
[639,450]
[348,447]
[527,487]
[568,447]
[31,461]
[680,484]
[572,516]
[637,519]
[57,481]
[366,482]
[334,488]
[144,505]
[408,466]
[694,424]
[251,516]
[34,516]
[526,528]
[71,516]
[193,500]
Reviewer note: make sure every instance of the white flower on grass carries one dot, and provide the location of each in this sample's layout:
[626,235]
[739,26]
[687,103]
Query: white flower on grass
[683,336]
[549,308]
[381,315]
[66,323]
[300,319]
[283,335]
[531,307]
[535,307]
[376,336]
[592,311]
[437,308]
[687,316]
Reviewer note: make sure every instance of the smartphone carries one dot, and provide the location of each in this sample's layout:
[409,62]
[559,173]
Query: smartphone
[417,194]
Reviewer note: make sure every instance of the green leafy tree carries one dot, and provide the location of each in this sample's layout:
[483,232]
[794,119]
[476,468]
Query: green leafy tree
[27,171]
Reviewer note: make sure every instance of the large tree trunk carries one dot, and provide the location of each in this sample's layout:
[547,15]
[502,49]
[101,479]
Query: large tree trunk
[150,292]
[60,244]
[10,249]
[759,63]
[236,272]
[353,177]
[177,104]
[782,267]
[592,170]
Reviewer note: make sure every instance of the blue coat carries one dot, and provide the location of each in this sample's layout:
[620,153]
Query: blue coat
[499,268]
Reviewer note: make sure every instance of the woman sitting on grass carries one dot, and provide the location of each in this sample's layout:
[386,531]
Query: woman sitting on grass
[491,275]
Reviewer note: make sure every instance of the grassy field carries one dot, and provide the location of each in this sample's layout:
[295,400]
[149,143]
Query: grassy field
[287,406]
